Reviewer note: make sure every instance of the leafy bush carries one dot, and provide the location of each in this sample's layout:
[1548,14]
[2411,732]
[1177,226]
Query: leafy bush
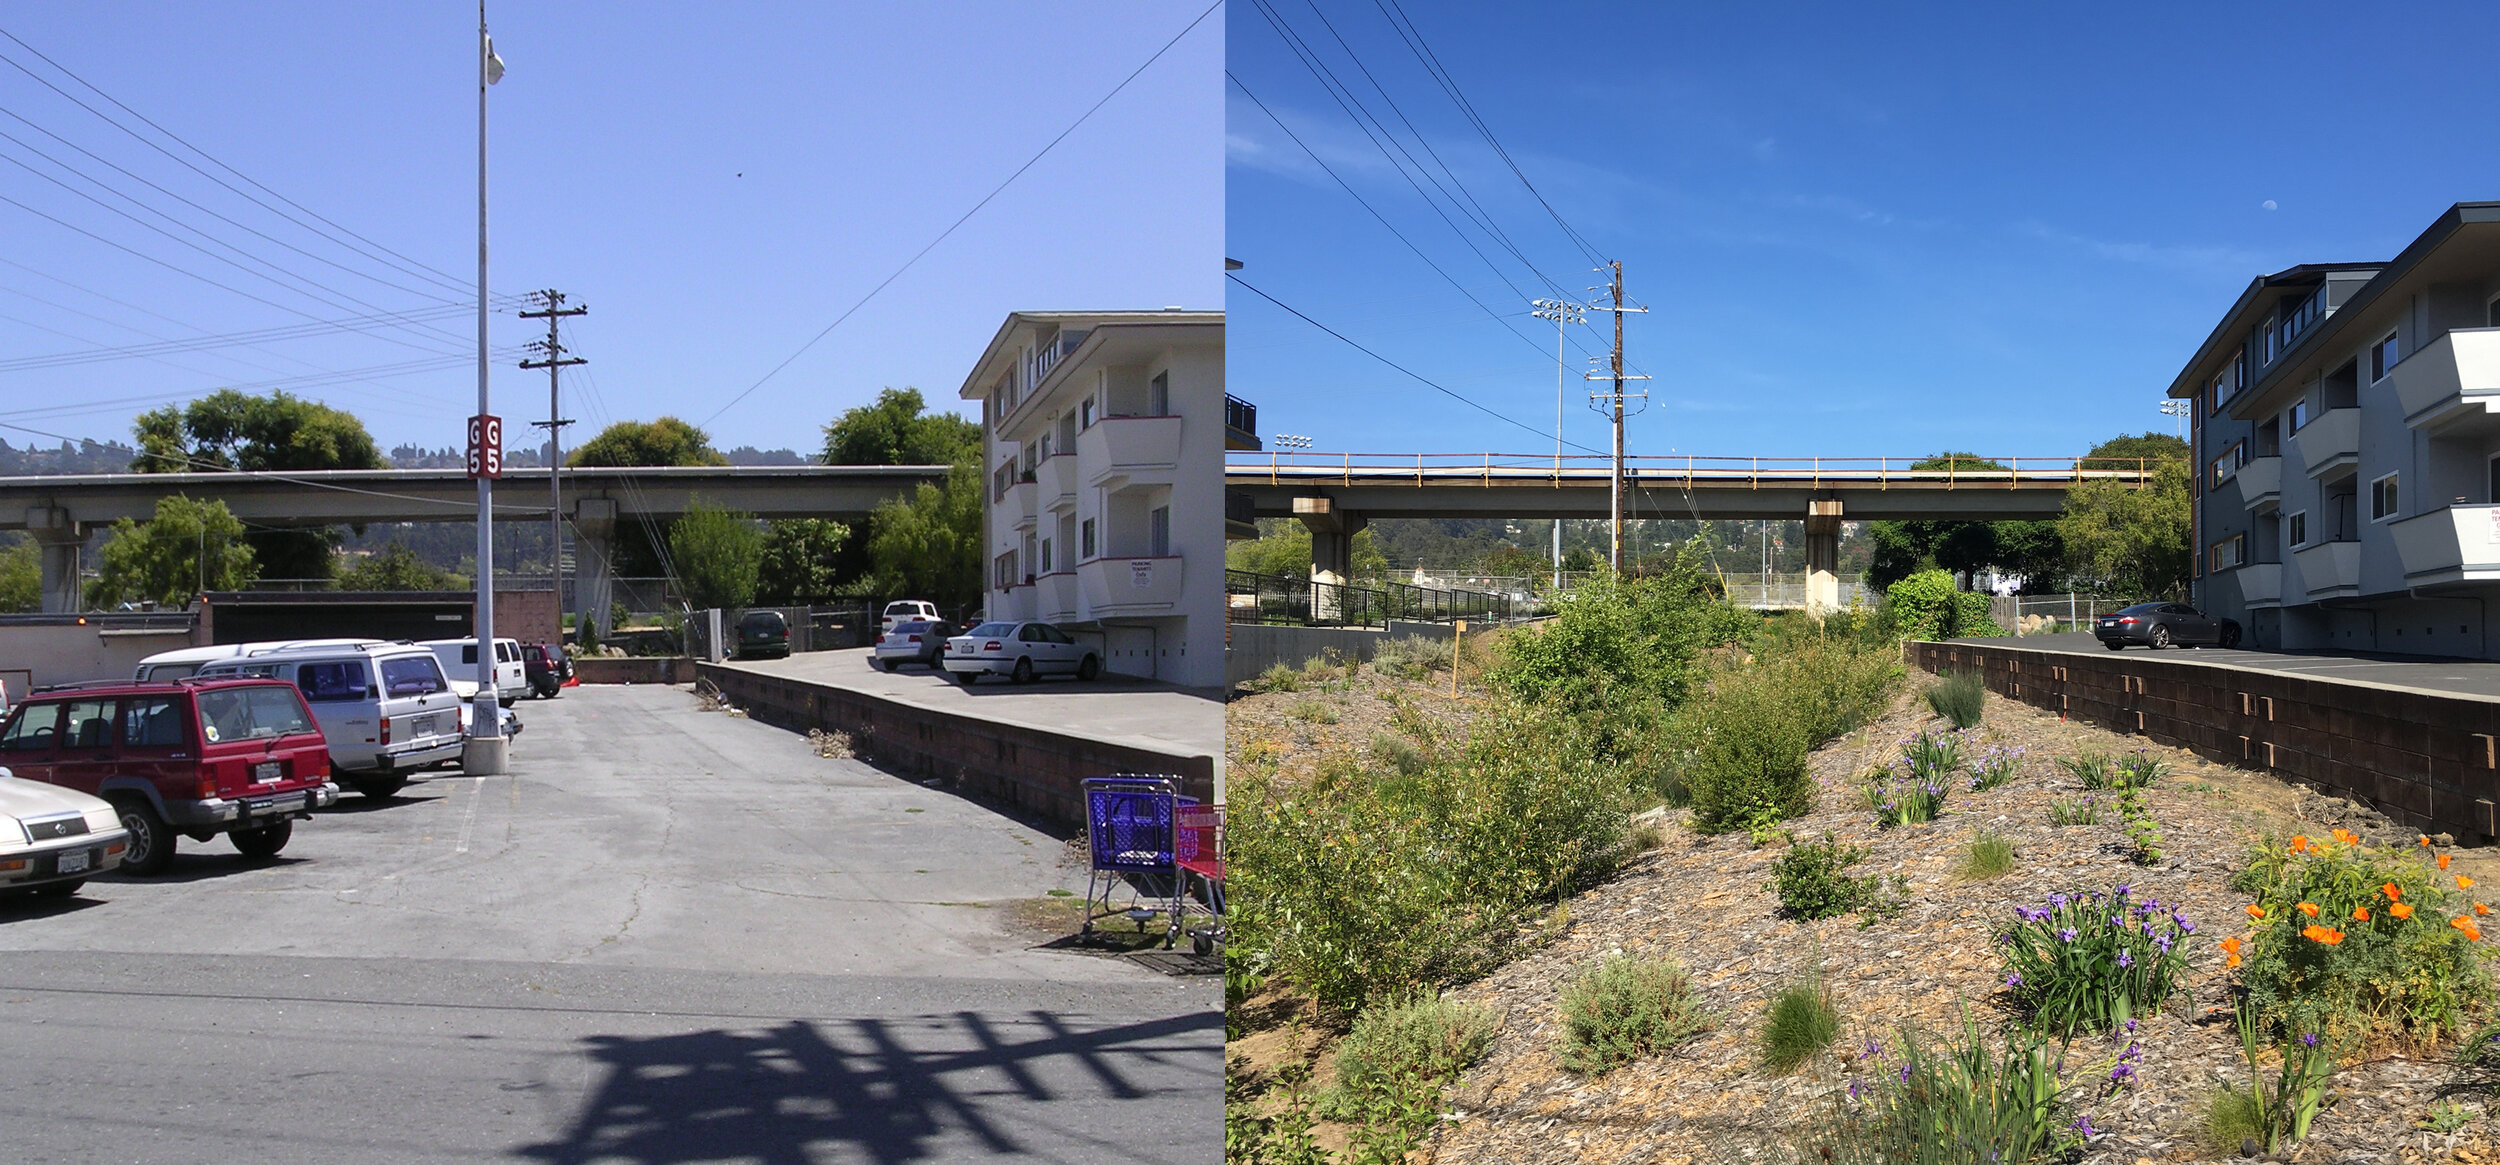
[1748,769]
[2359,942]
[1925,605]
[2090,962]
[1360,885]
[1625,1008]
[1810,882]
[1411,657]
[1313,711]
[1990,856]
[1959,697]
[1393,1064]
[2143,832]
[1278,678]
[1397,753]
[1644,633]
[1963,1103]
[1799,1023]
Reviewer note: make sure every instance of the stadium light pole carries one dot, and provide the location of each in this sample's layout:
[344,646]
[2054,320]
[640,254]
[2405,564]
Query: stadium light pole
[1561,311]
[484,753]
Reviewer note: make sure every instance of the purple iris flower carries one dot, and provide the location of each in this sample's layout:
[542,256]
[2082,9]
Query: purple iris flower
[2066,935]
[2122,1074]
[2083,1124]
[2013,980]
[1905,1071]
[2125,959]
[2185,927]
[2058,901]
[2310,1039]
[2122,889]
[2162,941]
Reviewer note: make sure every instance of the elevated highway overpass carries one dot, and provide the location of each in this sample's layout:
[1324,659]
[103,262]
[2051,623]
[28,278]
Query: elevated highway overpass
[62,511]
[1336,494]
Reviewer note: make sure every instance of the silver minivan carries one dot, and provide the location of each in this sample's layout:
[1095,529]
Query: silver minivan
[385,709]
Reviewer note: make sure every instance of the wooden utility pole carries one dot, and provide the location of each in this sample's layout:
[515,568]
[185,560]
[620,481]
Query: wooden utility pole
[1614,542]
[553,359]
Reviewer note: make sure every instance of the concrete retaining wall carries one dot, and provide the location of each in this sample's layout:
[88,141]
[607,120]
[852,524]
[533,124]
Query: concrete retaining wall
[2429,759]
[651,669]
[1034,770]
[1257,647]
[72,649]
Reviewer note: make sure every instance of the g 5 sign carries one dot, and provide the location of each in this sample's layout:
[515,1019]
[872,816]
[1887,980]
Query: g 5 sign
[485,446]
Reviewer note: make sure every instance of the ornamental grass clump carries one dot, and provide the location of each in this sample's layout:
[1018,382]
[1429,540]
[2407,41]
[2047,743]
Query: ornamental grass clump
[2357,942]
[2085,810]
[1799,1024]
[2266,1118]
[1993,768]
[1960,697]
[1625,1008]
[2090,962]
[1963,1101]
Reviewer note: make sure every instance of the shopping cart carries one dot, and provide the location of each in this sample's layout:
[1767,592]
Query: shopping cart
[1198,849]
[1132,832]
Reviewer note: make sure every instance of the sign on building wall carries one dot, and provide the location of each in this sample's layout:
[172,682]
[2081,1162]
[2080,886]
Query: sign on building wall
[1141,573]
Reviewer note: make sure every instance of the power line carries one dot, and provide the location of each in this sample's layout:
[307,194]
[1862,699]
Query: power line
[1426,381]
[967,215]
[101,354]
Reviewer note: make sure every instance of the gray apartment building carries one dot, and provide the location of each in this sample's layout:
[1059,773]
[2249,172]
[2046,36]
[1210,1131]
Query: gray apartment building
[2347,436]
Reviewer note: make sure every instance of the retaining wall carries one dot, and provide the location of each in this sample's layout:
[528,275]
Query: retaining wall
[2425,758]
[1035,770]
[648,669]
[1256,647]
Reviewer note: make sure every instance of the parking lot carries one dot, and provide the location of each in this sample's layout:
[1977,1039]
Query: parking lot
[669,934]
[1114,709]
[2467,677]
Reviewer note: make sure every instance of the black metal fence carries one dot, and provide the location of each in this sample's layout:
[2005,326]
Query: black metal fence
[1266,598]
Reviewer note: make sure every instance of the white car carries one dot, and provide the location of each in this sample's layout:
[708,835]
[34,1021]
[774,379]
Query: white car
[1019,651]
[385,709]
[902,609]
[459,660]
[54,839]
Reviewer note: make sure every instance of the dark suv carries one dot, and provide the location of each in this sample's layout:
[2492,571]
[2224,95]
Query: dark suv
[547,668]
[241,757]
[763,635]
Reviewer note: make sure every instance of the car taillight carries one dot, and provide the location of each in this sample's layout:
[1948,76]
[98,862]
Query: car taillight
[992,645]
[915,639]
[2129,619]
[208,782]
[880,637]
[386,730]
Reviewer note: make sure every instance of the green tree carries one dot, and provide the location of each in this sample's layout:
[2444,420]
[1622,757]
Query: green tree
[898,429]
[666,441]
[717,553]
[930,547]
[21,576]
[2032,550]
[802,561]
[230,430]
[2127,540]
[186,548]
[1283,549]
[397,568]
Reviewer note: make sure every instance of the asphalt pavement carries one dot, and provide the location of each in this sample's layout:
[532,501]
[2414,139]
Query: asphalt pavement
[669,935]
[2467,677]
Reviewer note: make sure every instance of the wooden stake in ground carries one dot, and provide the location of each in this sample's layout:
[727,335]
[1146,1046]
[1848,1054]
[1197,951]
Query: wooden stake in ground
[1458,635]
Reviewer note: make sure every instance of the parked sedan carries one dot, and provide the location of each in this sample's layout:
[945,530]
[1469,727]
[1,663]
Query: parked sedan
[1018,651]
[2164,625]
[53,839]
[920,641]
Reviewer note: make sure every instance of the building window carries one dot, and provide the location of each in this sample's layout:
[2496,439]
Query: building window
[1046,548]
[2226,553]
[2296,529]
[2296,416]
[2382,358]
[2383,498]
[1085,540]
[1159,532]
[1159,395]
[1085,413]
[2229,463]
[1004,567]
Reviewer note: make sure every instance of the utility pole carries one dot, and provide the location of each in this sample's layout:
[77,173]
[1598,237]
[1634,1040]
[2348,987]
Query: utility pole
[1614,551]
[1561,311]
[553,359]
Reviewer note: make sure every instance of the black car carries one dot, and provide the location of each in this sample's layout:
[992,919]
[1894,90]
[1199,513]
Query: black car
[546,667]
[2164,625]
[763,635]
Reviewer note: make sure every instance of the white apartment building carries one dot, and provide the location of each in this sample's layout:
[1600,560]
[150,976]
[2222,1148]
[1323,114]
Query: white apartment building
[1103,435]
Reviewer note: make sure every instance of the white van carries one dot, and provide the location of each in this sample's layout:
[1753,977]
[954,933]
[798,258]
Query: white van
[385,709]
[459,660]
[186,661]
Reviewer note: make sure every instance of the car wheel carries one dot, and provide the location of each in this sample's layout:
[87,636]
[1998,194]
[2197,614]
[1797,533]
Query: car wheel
[151,843]
[1023,673]
[966,678]
[265,842]
[2230,635]
[2113,645]
[2159,638]
[59,889]
[875,664]
[1088,669]
[506,701]
[377,787]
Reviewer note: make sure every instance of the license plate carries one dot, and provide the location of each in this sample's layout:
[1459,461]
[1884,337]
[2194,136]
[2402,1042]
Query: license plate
[73,863]
[265,772]
[424,725]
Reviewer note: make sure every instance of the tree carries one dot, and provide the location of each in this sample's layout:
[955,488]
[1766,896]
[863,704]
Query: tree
[802,561]
[2127,540]
[230,430]
[186,548]
[666,441]
[396,568]
[2029,549]
[717,553]
[21,576]
[930,547]
[898,430]
[1283,549]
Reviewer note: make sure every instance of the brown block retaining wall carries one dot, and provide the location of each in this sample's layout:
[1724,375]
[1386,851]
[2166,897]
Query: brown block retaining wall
[2427,759]
[1032,769]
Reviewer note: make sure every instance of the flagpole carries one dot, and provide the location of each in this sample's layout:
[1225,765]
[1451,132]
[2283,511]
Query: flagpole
[484,753]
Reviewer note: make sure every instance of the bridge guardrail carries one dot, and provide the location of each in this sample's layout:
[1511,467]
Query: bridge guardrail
[1297,467]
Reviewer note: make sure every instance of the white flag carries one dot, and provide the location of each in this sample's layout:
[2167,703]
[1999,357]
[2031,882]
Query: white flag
[494,64]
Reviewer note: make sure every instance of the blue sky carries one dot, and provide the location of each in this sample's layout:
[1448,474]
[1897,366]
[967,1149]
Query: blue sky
[717,183]
[1994,228]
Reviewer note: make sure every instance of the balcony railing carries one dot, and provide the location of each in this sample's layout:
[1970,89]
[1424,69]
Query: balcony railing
[2261,481]
[2261,584]
[1130,447]
[2330,569]
[1241,424]
[2334,436]
[1116,585]
[2451,544]
[2451,380]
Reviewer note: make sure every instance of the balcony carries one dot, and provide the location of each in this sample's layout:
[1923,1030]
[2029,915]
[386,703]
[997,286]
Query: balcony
[2452,382]
[1017,508]
[2261,482]
[2333,439]
[1013,605]
[1055,482]
[1054,595]
[1119,586]
[1241,514]
[2261,584]
[1120,451]
[2450,544]
[1241,424]
[2330,569]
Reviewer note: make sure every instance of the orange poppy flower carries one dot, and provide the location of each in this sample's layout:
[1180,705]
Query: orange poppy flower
[2401,910]
[2300,842]
[2309,908]
[2256,911]
[2465,924]
[2322,934]
[2231,961]
[2426,841]
[2479,908]
[2346,836]
[2361,914]
[2392,890]
[2464,883]
[2231,945]
[2443,861]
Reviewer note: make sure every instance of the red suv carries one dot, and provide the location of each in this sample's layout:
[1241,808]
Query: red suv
[242,757]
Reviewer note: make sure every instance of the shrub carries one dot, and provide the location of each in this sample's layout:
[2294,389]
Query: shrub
[2075,811]
[1799,1023]
[1644,633]
[1748,769]
[2143,832]
[1990,856]
[1411,656]
[1313,711]
[2090,962]
[2358,942]
[1993,768]
[1278,678]
[1962,1103]
[1398,754]
[1625,1008]
[1810,882]
[1959,697]
[1925,605]
[1393,1064]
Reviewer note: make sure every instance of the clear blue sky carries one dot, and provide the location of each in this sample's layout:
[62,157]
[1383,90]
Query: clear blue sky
[1994,228]
[717,183]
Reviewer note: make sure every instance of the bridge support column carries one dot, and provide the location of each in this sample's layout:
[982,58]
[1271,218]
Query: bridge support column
[60,540]
[594,549]
[1822,556]
[1332,552]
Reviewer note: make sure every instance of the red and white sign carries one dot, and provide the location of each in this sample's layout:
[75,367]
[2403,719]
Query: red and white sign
[485,446]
